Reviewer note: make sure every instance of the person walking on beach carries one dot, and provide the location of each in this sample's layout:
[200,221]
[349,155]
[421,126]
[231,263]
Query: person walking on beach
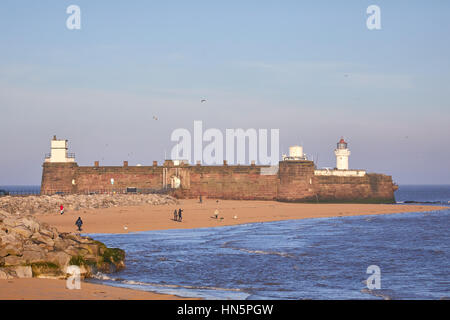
[61,209]
[79,223]
[179,215]
[216,213]
[200,199]
[175,215]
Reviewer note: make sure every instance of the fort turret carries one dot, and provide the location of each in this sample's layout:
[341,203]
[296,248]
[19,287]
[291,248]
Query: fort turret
[59,152]
[342,153]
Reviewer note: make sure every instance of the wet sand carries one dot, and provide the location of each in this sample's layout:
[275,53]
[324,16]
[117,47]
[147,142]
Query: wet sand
[200,215]
[50,289]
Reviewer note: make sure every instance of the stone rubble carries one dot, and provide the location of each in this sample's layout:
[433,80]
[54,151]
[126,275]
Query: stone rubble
[51,204]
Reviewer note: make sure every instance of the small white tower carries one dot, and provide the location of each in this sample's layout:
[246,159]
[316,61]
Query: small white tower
[295,153]
[59,152]
[342,153]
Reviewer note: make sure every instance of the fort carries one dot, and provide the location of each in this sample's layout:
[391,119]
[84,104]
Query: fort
[294,179]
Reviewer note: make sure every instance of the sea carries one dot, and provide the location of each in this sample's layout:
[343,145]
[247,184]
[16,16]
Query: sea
[22,189]
[321,258]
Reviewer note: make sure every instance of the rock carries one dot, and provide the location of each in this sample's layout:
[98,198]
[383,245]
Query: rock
[32,256]
[13,248]
[39,238]
[24,232]
[47,233]
[9,222]
[4,275]
[72,237]
[23,272]
[13,261]
[61,244]
[50,204]
[29,248]
[60,258]
[32,225]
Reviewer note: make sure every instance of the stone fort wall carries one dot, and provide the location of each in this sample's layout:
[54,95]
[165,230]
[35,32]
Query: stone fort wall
[294,181]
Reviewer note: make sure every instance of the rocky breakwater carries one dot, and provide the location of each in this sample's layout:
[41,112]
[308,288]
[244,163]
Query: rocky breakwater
[50,204]
[29,248]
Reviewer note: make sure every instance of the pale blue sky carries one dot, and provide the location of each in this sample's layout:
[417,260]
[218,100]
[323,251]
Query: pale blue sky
[260,64]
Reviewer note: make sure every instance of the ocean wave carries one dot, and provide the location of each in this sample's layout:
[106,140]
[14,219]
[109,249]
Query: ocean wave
[377,293]
[104,277]
[281,254]
[424,202]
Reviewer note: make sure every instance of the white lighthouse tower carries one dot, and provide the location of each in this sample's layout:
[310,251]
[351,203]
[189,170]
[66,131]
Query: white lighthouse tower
[59,152]
[342,153]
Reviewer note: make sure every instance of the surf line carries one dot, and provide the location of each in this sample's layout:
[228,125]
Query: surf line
[205,311]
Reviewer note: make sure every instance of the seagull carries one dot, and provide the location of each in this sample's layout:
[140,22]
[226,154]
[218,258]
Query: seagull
[203,100]
[155,118]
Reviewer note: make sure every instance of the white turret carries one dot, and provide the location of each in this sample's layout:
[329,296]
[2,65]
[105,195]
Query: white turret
[295,153]
[59,152]
[342,153]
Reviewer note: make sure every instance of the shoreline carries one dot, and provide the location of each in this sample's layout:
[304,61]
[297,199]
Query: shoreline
[53,289]
[120,220]
[195,215]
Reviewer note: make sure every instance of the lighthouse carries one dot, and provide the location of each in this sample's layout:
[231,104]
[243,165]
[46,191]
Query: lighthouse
[59,153]
[342,153]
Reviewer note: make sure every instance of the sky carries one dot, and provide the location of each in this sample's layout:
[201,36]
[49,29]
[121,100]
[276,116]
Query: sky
[311,69]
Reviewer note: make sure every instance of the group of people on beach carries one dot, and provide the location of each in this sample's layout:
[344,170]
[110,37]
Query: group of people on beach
[177,215]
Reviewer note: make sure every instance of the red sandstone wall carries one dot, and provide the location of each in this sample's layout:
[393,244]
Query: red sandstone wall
[231,182]
[371,188]
[99,178]
[295,181]
[57,177]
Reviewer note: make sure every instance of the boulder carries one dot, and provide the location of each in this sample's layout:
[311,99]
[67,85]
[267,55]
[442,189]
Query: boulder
[4,275]
[13,261]
[23,231]
[13,248]
[33,256]
[31,224]
[38,238]
[23,272]
[60,258]
[9,222]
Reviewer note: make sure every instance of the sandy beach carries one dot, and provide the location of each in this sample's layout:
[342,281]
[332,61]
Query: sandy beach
[50,289]
[195,215]
[200,215]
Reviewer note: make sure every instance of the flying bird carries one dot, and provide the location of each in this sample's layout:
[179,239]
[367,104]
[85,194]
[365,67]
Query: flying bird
[155,118]
[203,100]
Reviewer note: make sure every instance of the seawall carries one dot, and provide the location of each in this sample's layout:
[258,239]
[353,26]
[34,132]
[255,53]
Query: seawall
[291,181]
